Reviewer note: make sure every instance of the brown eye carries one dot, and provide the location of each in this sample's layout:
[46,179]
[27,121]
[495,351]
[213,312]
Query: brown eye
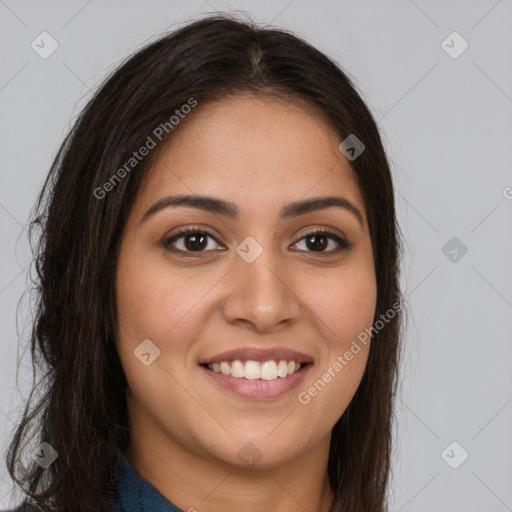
[318,241]
[194,240]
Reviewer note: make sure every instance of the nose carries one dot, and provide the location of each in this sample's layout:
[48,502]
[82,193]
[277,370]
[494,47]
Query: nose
[261,294]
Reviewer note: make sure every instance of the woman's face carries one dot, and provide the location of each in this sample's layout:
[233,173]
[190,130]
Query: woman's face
[249,291]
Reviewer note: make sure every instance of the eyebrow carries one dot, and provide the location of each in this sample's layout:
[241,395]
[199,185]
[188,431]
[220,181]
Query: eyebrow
[231,210]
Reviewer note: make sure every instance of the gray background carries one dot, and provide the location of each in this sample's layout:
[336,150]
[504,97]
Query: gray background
[447,126]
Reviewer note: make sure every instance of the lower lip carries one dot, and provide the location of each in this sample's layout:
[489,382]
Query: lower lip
[259,388]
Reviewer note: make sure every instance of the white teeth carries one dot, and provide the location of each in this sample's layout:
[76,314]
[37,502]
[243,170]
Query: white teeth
[225,368]
[252,370]
[282,369]
[268,370]
[237,369]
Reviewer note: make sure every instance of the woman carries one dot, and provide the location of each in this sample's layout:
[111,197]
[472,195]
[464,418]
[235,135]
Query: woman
[219,309]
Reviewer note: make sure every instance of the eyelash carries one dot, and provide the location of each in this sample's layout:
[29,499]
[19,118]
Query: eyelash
[343,244]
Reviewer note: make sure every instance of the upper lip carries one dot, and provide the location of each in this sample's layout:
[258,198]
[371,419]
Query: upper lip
[258,354]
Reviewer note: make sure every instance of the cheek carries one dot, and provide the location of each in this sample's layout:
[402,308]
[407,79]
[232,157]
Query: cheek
[161,306]
[344,307]
[345,304]
[151,304]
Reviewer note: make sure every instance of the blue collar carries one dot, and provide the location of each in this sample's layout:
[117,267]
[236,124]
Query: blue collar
[135,494]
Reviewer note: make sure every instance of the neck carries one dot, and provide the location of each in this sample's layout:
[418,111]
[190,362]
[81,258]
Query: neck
[193,481]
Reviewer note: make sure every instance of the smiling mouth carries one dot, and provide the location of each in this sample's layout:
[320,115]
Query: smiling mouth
[249,369]
[257,380]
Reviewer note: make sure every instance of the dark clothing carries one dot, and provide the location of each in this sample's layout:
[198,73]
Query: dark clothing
[137,494]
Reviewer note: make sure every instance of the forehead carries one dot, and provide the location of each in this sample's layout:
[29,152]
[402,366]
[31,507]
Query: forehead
[250,149]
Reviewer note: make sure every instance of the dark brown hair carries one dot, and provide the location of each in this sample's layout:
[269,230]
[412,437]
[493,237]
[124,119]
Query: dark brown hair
[81,411]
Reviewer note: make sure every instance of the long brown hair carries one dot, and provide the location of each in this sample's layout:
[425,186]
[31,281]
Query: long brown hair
[81,411]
